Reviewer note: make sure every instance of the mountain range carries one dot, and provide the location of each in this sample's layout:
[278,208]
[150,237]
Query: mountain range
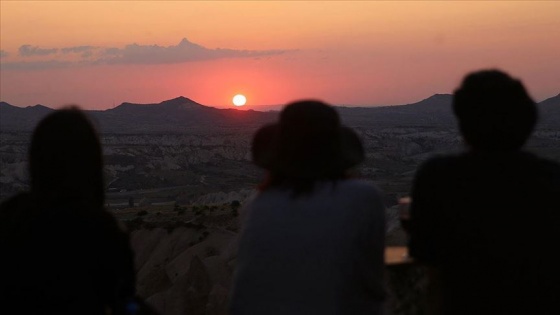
[182,114]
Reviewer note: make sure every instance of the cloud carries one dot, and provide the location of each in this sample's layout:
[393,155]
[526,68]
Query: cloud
[111,51]
[35,65]
[184,51]
[28,50]
[77,49]
[3,53]
[85,51]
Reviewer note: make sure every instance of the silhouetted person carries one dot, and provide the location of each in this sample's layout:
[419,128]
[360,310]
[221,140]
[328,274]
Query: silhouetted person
[313,238]
[61,252]
[486,220]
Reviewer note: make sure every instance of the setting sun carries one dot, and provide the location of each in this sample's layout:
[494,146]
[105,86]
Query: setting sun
[239,100]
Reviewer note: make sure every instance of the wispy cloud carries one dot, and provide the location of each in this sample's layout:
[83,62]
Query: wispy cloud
[28,50]
[35,65]
[184,51]
[85,51]
[111,51]
[77,49]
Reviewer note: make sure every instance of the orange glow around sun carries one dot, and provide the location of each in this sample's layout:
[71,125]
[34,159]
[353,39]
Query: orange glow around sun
[239,100]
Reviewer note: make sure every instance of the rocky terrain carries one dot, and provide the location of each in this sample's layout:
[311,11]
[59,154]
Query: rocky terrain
[185,255]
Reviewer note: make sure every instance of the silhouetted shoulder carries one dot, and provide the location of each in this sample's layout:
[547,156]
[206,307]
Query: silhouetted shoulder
[18,201]
[358,186]
[85,255]
[478,161]
[362,190]
[15,213]
[436,165]
[549,167]
[347,189]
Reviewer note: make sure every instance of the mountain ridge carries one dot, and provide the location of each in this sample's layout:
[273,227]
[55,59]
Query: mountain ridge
[554,100]
[182,114]
[178,102]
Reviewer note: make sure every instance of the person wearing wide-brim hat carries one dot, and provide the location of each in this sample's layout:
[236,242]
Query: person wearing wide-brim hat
[313,238]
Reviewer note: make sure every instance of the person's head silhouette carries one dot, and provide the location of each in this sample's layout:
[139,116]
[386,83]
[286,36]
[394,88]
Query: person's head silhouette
[65,160]
[494,110]
[308,144]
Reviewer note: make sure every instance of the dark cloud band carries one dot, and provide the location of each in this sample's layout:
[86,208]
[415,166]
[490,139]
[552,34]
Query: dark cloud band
[184,51]
[28,50]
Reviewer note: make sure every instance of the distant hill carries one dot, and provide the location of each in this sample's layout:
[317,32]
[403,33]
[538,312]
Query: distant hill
[432,111]
[21,119]
[550,112]
[182,114]
[175,115]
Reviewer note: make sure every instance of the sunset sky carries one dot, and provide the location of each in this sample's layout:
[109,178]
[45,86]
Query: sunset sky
[99,54]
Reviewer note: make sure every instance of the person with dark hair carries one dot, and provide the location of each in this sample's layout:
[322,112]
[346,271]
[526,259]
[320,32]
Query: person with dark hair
[313,238]
[485,221]
[62,253]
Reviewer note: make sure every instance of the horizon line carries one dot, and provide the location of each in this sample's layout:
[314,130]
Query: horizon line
[244,107]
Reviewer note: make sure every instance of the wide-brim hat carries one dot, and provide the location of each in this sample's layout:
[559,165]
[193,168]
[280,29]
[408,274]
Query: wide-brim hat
[307,142]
